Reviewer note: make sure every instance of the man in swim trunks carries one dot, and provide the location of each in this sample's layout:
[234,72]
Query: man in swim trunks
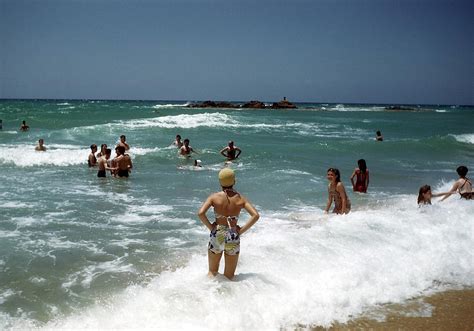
[186,150]
[123,162]
[225,233]
[231,152]
[103,165]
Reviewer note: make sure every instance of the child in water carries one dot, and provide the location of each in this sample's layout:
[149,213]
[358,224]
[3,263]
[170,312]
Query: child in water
[337,193]
[424,195]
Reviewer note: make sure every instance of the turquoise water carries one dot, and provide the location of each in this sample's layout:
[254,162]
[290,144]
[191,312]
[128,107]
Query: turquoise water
[128,253]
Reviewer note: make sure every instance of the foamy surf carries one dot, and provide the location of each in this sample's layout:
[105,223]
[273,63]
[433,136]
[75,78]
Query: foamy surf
[467,138]
[311,270]
[171,105]
[56,155]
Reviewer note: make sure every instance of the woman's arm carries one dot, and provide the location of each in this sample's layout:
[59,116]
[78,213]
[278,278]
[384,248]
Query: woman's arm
[352,178]
[202,213]
[451,191]
[254,216]
[329,203]
[342,192]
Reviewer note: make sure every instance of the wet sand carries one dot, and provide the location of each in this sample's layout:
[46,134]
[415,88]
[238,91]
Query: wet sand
[450,311]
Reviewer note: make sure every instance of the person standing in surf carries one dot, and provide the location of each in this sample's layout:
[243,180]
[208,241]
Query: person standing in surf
[92,160]
[231,152]
[362,177]
[123,142]
[186,150]
[225,233]
[337,193]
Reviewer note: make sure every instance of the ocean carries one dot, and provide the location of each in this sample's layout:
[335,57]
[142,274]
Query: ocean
[77,251]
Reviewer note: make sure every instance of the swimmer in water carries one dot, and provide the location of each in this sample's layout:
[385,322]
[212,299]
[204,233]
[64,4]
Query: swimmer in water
[231,152]
[463,185]
[40,147]
[24,127]
[362,177]
[92,161]
[123,142]
[103,165]
[186,150]
[123,162]
[177,142]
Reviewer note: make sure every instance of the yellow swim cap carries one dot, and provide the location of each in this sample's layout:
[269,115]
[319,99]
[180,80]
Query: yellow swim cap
[226,177]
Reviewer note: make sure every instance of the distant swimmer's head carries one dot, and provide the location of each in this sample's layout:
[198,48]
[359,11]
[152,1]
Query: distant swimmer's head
[231,143]
[94,147]
[462,171]
[197,163]
[227,177]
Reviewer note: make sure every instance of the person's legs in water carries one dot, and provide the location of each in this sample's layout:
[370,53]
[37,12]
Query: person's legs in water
[214,260]
[230,265]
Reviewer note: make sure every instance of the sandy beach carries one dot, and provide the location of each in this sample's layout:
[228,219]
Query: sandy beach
[451,310]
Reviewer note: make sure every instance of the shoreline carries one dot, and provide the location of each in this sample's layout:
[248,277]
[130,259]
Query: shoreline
[450,310]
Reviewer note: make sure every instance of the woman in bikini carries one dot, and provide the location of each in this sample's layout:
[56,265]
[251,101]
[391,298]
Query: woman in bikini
[225,233]
[463,185]
[362,177]
[337,193]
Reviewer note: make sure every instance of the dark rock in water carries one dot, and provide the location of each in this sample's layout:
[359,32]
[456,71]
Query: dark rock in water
[254,104]
[283,104]
[213,104]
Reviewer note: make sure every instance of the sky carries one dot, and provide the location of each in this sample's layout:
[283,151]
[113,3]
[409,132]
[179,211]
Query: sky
[352,51]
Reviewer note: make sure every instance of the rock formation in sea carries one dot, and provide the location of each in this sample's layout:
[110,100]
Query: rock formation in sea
[254,104]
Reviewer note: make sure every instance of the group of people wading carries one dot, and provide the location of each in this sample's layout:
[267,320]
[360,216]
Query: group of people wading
[120,166]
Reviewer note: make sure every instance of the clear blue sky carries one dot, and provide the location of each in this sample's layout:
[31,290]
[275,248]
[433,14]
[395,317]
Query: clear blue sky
[374,51]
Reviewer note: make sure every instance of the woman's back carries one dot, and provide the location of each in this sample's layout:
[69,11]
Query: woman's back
[228,203]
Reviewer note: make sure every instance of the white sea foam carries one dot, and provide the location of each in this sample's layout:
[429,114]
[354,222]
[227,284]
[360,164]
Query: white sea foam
[465,138]
[15,204]
[342,107]
[171,105]
[85,277]
[312,270]
[57,155]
